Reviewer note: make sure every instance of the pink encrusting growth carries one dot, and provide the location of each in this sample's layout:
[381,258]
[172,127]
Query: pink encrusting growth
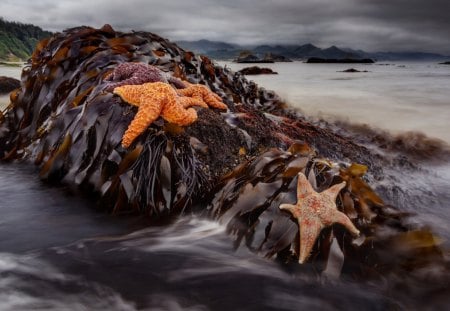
[130,73]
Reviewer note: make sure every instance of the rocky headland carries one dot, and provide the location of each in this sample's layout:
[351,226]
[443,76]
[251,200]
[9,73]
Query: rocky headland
[255,70]
[247,57]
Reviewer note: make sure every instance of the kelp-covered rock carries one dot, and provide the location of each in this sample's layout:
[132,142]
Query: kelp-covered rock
[64,120]
[8,84]
[237,166]
[391,254]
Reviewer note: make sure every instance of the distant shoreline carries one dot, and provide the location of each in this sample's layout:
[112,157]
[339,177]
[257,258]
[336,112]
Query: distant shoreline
[11,64]
[318,60]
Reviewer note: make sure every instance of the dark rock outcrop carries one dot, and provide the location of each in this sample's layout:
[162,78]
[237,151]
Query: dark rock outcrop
[248,57]
[255,70]
[278,58]
[353,70]
[8,84]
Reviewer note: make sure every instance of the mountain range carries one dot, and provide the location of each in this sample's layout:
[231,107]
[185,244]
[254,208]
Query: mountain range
[17,42]
[227,51]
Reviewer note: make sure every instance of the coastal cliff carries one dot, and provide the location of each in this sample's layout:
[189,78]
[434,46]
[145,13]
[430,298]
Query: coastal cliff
[18,40]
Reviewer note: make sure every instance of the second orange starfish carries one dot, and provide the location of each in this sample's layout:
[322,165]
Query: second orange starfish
[160,99]
[315,211]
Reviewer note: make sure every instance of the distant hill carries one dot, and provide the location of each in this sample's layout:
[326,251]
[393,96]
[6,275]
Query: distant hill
[226,51]
[17,40]
[203,46]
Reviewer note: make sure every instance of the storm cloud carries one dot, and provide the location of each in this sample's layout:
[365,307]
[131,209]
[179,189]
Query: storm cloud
[372,25]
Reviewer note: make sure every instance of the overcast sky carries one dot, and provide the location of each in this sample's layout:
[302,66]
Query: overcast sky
[372,25]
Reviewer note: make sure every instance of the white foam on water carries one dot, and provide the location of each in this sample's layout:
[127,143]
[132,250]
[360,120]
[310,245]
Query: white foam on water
[28,283]
[424,193]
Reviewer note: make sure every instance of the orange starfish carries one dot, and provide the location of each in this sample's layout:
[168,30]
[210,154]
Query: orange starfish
[201,92]
[160,99]
[315,211]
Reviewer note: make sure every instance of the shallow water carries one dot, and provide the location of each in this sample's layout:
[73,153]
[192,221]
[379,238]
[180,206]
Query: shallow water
[398,97]
[35,216]
[8,71]
[57,253]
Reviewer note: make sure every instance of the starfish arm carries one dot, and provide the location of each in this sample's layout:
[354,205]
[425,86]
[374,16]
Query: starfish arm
[147,113]
[290,208]
[130,93]
[213,100]
[175,113]
[333,191]
[187,102]
[341,218]
[304,188]
[122,71]
[309,228]
[203,93]
[188,91]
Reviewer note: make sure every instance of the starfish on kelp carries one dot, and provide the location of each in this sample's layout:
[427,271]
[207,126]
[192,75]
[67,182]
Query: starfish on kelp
[138,73]
[160,99]
[315,211]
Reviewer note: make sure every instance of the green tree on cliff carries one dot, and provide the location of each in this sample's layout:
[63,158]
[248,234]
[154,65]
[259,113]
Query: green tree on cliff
[17,40]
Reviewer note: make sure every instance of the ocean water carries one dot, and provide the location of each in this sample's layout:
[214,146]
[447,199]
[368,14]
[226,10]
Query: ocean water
[58,253]
[7,71]
[398,96]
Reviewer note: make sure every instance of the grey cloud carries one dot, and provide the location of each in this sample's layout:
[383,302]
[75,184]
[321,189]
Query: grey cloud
[366,24]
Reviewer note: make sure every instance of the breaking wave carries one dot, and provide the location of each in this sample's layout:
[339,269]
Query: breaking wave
[416,145]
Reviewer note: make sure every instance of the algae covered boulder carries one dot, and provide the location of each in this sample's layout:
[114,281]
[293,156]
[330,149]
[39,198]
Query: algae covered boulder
[66,120]
[63,119]
[8,84]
